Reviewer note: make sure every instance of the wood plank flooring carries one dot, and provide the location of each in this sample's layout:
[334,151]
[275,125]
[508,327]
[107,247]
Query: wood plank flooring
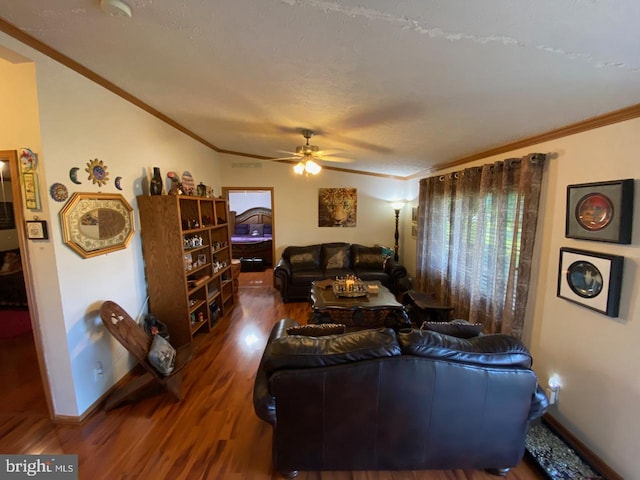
[213,433]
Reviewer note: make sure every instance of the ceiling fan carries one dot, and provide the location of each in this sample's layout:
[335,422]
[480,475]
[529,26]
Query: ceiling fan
[308,154]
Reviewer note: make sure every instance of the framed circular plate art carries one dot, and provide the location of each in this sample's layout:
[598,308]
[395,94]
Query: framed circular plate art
[591,279]
[601,211]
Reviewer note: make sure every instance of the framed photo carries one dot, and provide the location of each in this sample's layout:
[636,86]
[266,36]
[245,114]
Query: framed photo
[37,230]
[601,211]
[590,279]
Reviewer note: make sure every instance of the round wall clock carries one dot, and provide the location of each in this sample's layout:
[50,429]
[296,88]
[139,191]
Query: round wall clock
[584,279]
[594,211]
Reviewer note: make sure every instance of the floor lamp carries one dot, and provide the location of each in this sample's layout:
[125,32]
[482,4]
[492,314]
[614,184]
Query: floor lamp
[397,206]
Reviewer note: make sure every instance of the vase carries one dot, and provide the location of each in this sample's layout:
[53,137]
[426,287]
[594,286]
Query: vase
[155,186]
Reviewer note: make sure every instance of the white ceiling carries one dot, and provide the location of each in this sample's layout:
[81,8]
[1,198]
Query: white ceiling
[399,86]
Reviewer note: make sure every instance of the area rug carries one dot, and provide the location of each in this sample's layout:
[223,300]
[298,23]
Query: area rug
[14,323]
[554,457]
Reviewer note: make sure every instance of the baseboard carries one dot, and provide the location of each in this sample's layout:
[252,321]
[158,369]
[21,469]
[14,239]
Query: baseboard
[581,449]
[95,406]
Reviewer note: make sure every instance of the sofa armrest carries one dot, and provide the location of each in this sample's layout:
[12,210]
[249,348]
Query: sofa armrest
[539,404]
[281,276]
[263,402]
[395,271]
[283,267]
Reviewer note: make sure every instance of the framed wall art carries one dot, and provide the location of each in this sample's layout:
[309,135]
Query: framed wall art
[600,211]
[337,207]
[590,279]
[97,223]
[37,230]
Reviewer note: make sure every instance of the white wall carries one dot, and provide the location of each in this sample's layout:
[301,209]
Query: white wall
[242,200]
[596,356]
[80,121]
[296,202]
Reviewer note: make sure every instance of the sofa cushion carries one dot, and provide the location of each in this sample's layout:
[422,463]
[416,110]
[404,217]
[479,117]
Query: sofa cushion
[305,277]
[488,350]
[334,273]
[336,256]
[304,352]
[373,275]
[455,328]
[319,330]
[364,258]
[304,258]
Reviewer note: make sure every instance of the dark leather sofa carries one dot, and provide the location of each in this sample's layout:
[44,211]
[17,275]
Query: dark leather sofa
[299,266]
[377,400]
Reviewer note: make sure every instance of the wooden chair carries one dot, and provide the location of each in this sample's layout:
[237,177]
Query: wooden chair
[137,342]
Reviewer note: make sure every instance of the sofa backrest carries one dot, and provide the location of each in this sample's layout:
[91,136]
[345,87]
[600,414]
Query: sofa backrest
[494,350]
[297,351]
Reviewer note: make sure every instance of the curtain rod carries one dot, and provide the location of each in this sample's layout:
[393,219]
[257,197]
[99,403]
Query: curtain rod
[536,159]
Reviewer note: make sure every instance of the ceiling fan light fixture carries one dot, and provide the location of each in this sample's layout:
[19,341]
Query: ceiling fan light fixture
[299,168]
[312,167]
[115,8]
[307,166]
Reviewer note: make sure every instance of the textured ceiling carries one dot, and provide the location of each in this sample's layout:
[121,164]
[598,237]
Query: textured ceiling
[395,87]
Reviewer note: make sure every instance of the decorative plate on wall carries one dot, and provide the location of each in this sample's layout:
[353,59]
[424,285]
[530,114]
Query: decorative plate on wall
[188,185]
[59,192]
[600,211]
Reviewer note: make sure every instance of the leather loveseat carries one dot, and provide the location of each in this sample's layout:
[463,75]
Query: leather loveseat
[377,400]
[299,266]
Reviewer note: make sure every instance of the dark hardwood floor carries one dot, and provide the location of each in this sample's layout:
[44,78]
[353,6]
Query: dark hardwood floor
[212,434]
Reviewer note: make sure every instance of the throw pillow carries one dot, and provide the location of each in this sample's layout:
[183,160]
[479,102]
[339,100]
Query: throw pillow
[455,328]
[320,330]
[303,258]
[336,257]
[242,229]
[162,355]
[367,257]
[256,229]
[268,229]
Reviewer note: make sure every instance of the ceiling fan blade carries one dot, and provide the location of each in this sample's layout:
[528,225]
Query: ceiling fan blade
[287,158]
[376,115]
[360,144]
[287,151]
[335,159]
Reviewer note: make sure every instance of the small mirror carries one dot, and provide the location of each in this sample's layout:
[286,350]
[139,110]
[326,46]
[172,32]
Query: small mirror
[97,223]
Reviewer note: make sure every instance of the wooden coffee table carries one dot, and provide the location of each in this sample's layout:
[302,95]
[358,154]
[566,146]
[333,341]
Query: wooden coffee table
[372,311]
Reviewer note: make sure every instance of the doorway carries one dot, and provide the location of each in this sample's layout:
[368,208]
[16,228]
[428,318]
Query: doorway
[252,226]
[24,390]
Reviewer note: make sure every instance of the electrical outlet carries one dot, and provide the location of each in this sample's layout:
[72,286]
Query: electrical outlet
[98,371]
[552,395]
